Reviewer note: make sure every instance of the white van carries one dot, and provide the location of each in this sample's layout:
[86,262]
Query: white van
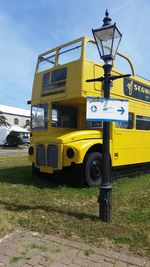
[26,138]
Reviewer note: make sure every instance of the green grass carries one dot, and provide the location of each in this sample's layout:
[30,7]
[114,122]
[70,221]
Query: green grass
[24,253]
[58,206]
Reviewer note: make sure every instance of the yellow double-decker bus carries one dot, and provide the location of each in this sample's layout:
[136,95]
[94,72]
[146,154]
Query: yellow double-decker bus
[60,134]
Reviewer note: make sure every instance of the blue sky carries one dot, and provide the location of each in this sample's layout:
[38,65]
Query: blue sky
[28,28]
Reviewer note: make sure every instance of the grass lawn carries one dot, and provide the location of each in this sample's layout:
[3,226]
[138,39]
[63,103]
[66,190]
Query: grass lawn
[60,207]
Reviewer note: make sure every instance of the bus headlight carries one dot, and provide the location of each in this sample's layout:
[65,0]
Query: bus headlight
[70,153]
[31,150]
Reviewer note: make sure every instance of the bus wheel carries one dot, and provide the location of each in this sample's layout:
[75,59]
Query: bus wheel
[93,169]
[35,170]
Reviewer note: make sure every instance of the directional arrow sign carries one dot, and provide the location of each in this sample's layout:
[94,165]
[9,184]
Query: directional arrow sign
[121,110]
[103,109]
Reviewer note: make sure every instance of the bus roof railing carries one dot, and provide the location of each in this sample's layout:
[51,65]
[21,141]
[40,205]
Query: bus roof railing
[89,39]
[129,61]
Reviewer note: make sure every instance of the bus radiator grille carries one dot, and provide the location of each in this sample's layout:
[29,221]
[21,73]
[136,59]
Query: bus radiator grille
[40,155]
[52,156]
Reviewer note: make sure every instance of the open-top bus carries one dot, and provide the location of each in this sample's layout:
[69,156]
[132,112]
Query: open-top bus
[60,134]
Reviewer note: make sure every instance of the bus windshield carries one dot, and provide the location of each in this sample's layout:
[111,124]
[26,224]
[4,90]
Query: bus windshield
[39,117]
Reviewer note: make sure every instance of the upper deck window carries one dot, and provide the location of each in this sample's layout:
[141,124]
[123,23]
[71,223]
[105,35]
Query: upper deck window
[54,79]
[47,61]
[59,75]
[59,56]
[69,53]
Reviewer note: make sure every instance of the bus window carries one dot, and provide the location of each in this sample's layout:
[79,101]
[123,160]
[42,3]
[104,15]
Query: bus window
[69,53]
[39,116]
[54,79]
[142,122]
[94,124]
[47,61]
[64,116]
[128,124]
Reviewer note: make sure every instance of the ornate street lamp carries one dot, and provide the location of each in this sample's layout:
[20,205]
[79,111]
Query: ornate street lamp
[107,39]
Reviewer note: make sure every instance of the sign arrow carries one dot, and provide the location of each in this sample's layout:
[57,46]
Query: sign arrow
[122,110]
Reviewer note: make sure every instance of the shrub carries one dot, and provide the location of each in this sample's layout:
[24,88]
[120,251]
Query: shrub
[13,139]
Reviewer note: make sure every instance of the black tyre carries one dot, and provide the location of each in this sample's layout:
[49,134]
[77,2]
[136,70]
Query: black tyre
[93,169]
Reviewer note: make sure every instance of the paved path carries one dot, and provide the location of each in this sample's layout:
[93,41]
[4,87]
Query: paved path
[27,249]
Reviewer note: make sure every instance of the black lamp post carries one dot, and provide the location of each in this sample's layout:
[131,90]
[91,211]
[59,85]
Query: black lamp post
[107,39]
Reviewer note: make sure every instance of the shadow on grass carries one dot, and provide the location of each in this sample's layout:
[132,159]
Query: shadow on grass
[19,208]
[23,175]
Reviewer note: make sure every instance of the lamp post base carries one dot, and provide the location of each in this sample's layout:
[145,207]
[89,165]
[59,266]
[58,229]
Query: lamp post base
[105,200]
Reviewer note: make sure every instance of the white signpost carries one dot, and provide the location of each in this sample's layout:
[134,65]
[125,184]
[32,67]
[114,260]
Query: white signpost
[103,109]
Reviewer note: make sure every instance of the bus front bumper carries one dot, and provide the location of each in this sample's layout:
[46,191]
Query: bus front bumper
[46,169]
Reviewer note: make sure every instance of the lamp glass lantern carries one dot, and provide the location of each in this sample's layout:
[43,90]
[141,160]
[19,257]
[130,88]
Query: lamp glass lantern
[107,39]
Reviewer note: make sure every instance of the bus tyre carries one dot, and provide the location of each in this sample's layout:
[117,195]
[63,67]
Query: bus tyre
[35,170]
[93,169]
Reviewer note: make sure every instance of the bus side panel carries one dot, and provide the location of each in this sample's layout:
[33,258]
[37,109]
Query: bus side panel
[142,149]
[123,147]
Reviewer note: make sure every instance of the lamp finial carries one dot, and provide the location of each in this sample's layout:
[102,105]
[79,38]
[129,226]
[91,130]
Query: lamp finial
[107,19]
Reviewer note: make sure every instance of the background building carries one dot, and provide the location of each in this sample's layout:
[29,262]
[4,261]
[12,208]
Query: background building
[16,116]
[19,120]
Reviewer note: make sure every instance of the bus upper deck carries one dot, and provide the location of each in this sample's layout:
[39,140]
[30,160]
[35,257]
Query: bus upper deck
[62,72]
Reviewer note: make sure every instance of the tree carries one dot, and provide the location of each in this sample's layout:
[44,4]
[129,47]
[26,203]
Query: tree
[13,139]
[3,120]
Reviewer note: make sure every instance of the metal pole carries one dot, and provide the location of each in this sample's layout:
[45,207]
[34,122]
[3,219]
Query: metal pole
[105,194]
